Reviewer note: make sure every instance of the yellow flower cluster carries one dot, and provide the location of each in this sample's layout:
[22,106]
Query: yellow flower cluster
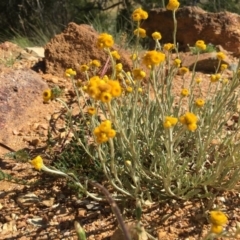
[140,32]
[170,122]
[153,58]
[84,68]
[139,15]
[95,63]
[103,89]
[200,44]
[223,67]
[156,36]
[104,131]
[218,219]
[138,74]
[177,62]
[173,5]
[183,70]
[115,55]
[190,120]
[215,77]
[70,72]
[168,46]
[105,41]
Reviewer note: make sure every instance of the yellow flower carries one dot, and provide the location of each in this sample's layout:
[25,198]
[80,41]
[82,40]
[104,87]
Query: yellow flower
[37,163]
[140,32]
[69,72]
[183,70]
[168,46]
[95,63]
[105,126]
[105,41]
[156,36]
[47,95]
[115,55]
[216,229]
[84,68]
[198,80]
[184,92]
[101,138]
[218,218]
[192,127]
[225,81]
[201,45]
[129,89]
[91,110]
[119,67]
[215,77]
[134,56]
[199,102]
[140,90]
[105,97]
[116,89]
[173,5]
[223,67]
[138,74]
[170,122]
[177,62]
[220,56]
[189,119]
[153,58]
[111,133]
[139,14]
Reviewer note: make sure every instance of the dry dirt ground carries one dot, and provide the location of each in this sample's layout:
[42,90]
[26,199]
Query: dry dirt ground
[47,210]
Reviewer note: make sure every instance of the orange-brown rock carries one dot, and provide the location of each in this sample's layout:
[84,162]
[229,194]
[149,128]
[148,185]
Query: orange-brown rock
[76,45]
[194,24]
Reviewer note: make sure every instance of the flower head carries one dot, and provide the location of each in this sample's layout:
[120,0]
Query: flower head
[199,102]
[139,15]
[170,122]
[105,41]
[216,229]
[153,58]
[198,80]
[223,67]
[70,72]
[37,163]
[91,110]
[168,46]
[200,44]
[138,74]
[173,5]
[119,67]
[185,92]
[215,78]
[156,36]
[104,131]
[221,56]
[190,120]
[140,32]
[115,55]
[183,70]
[218,218]
[84,68]
[95,63]
[47,95]
[177,62]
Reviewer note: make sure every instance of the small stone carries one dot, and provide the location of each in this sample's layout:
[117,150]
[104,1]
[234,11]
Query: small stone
[26,200]
[82,212]
[48,203]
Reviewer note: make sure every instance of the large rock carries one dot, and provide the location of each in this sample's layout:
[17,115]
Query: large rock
[194,24]
[76,46]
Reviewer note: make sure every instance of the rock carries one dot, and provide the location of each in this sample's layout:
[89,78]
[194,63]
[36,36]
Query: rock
[37,52]
[20,100]
[76,46]
[26,200]
[194,24]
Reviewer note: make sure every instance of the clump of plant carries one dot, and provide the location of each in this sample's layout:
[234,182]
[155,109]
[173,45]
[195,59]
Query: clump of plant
[150,142]
[209,48]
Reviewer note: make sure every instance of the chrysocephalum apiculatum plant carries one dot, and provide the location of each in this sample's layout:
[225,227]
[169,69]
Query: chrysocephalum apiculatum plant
[149,141]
